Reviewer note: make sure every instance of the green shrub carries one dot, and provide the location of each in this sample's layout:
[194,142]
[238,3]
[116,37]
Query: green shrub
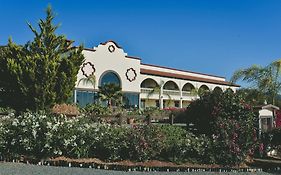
[95,110]
[111,143]
[6,111]
[228,122]
[181,145]
[275,136]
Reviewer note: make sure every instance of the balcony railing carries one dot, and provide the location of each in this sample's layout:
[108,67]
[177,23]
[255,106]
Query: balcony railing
[171,92]
[146,90]
[188,93]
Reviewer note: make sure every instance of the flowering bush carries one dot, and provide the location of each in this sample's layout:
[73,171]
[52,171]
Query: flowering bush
[144,142]
[70,137]
[38,135]
[228,122]
[24,135]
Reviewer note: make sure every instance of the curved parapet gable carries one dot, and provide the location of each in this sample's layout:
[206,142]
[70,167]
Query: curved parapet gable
[110,56]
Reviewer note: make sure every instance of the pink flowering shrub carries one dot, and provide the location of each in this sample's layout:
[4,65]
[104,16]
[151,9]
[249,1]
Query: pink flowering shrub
[228,122]
[144,142]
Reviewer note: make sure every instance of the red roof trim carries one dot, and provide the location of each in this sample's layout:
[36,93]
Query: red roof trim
[185,77]
[104,43]
[90,49]
[181,70]
[132,57]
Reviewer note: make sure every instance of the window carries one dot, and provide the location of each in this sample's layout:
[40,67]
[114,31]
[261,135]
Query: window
[143,103]
[110,77]
[157,103]
[131,100]
[85,97]
[177,104]
[266,124]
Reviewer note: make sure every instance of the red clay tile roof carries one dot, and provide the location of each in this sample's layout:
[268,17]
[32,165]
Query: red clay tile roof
[185,77]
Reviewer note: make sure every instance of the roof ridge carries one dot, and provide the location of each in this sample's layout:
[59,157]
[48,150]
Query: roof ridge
[185,77]
[117,45]
[187,71]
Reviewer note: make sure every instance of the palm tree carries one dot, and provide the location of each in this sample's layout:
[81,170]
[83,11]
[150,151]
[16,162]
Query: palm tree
[111,93]
[265,79]
[89,79]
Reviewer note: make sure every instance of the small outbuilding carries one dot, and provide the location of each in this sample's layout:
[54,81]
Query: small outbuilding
[267,115]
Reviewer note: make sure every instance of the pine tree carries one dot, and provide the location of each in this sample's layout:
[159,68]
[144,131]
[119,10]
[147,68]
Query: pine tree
[40,73]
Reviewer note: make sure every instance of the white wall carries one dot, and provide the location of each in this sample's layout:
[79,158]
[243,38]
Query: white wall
[104,60]
[116,61]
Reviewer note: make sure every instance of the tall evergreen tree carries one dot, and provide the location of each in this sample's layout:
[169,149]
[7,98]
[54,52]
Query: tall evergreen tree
[40,73]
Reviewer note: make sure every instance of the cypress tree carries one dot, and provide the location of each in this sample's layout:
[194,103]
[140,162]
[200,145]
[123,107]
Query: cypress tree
[40,73]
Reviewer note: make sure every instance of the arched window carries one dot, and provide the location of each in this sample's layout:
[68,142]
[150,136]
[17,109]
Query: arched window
[170,85]
[230,90]
[148,83]
[203,89]
[217,89]
[188,87]
[110,77]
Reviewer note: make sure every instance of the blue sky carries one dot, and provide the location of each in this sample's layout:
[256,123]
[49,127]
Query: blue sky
[208,36]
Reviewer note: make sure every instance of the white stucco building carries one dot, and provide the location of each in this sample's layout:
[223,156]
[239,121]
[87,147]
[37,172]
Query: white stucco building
[109,63]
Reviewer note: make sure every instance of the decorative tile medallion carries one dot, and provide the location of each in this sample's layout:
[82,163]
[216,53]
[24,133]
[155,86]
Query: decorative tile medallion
[131,74]
[111,48]
[88,69]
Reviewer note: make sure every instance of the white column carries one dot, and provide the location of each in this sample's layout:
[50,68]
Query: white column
[75,96]
[161,98]
[259,126]
[180,98]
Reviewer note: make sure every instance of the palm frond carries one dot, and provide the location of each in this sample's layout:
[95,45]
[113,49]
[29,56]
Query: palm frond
[88,80]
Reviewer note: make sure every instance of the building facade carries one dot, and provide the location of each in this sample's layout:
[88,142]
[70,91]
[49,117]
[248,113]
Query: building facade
[143,85]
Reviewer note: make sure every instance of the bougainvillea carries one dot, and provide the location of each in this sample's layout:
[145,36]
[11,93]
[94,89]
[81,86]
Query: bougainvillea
[228,121]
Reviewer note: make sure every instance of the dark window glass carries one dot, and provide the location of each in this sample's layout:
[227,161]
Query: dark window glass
[142,103]
[85,97]
[131,100]
[157,104]
[177,104]
[110,77]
